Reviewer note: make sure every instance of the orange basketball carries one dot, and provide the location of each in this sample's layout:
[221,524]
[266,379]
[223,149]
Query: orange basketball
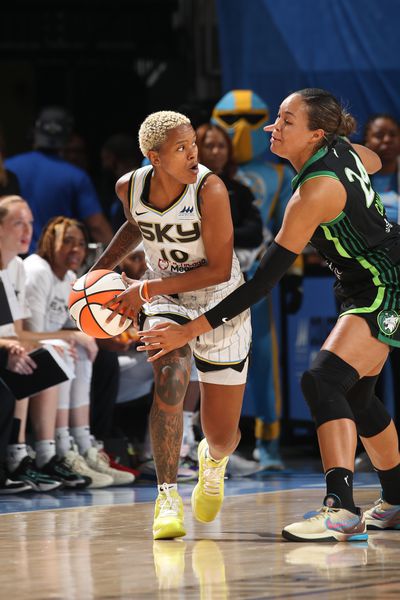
[88,294]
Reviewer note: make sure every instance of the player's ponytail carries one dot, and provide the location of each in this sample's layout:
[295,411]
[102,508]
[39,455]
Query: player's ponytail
[347,124]
[325,112]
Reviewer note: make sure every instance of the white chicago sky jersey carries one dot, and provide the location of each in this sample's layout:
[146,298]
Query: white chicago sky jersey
[173,244]
[171,237]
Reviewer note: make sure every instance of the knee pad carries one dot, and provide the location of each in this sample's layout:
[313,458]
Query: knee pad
[325,386]
[370,414]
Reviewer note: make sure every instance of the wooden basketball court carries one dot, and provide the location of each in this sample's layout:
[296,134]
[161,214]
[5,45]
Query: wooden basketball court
[98,545]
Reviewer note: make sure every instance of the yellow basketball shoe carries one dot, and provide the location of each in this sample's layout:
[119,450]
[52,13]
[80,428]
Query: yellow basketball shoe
[168,515]
[208,494]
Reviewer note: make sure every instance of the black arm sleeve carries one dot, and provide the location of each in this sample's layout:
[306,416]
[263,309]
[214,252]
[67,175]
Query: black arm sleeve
[273,266]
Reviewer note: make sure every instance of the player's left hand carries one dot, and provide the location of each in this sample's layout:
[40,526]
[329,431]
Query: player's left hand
[127,304]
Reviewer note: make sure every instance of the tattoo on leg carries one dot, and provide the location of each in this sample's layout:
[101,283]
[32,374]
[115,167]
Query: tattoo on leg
[172,378]
[171,381]
[166,437]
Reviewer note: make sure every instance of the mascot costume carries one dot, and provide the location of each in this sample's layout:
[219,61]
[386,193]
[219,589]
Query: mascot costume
[243,115]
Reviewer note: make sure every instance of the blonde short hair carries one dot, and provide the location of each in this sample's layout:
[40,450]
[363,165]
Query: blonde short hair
[154,129]
[6,202]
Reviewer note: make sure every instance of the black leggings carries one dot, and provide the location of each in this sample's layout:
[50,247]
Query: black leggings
[7,405]
[103,393]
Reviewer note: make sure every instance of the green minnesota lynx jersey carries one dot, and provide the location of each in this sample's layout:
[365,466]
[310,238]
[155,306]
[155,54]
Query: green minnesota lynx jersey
[360,245]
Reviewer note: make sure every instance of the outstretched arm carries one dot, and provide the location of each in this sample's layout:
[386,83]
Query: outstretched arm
[317,201]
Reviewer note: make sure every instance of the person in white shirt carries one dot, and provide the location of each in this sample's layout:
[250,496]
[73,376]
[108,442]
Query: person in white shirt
[48,472]
[62,248]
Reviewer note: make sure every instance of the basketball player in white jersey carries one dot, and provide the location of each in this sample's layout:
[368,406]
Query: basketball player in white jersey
[181,211]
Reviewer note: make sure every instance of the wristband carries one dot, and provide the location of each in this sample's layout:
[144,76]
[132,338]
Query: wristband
[144,291]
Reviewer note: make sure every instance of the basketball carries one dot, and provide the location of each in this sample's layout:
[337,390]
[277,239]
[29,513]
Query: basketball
[88,294]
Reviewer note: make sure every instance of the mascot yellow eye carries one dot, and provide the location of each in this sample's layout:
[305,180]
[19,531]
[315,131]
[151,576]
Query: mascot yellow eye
[253,118]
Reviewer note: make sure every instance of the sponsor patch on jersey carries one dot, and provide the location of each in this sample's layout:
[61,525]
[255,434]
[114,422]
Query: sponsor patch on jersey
[186,212]
[388,321]
[163,264]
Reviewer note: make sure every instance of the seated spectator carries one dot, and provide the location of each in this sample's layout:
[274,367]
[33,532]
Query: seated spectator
[15,237]
[49,473]
[51,185]
[61,250]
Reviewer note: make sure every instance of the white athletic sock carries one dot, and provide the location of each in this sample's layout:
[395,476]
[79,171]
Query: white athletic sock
[63,441]
[81,436]
[170,486]
[45,450]
[15,453]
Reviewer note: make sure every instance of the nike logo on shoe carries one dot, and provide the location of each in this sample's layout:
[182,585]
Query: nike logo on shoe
[352,525]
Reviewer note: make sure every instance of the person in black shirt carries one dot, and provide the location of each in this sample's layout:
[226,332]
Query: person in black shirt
[335,207]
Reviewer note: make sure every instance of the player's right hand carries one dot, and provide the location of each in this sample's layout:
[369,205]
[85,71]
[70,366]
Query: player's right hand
[20,363]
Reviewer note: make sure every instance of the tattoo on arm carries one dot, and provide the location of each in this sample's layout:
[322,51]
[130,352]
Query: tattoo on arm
[124,241]
[171,381]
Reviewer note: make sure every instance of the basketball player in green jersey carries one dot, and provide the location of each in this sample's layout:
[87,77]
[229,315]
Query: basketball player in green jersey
[335,208]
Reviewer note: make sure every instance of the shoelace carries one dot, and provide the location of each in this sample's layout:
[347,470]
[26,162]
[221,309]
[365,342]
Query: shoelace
[168,505]
[392,507]
[78,461]
[212,480]
[103,457]
[378,502]
[323,512]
